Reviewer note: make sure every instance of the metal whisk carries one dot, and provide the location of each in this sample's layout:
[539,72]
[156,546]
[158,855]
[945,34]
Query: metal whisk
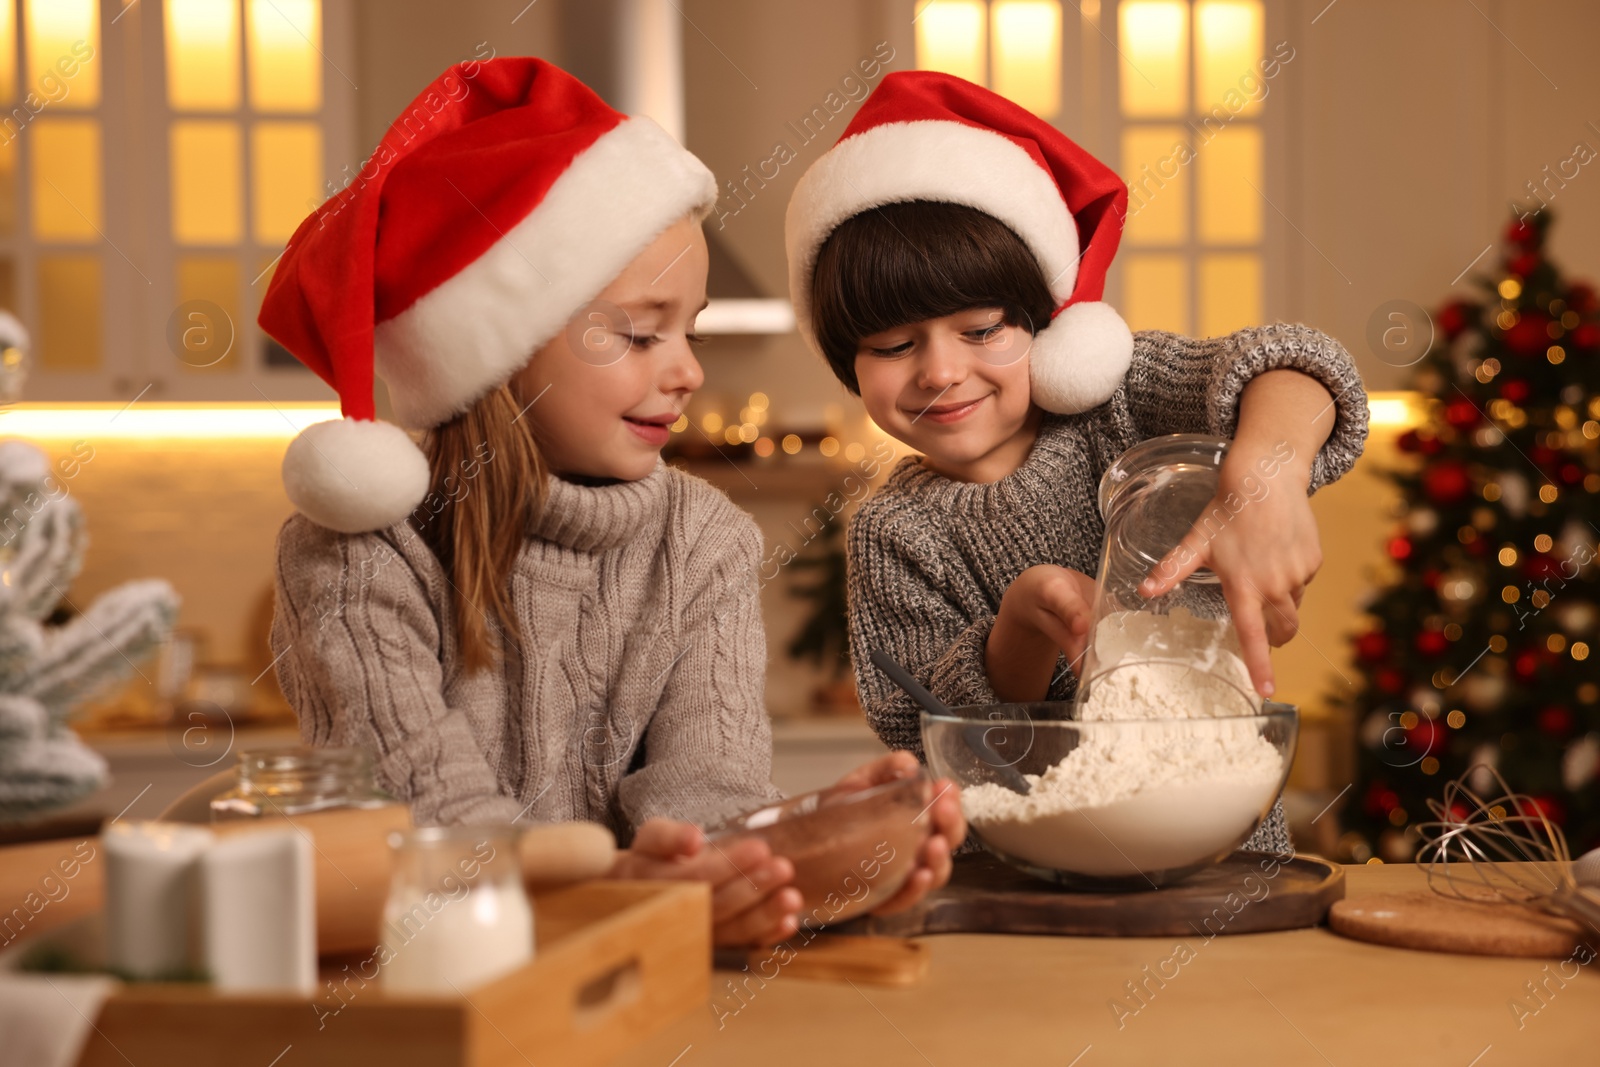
[1505,847]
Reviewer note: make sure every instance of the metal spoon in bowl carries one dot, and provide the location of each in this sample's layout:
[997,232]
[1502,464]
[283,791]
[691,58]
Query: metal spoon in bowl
[976,735]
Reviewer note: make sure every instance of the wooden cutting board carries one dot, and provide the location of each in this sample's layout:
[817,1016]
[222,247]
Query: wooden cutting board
[1246,893]
[1422,919]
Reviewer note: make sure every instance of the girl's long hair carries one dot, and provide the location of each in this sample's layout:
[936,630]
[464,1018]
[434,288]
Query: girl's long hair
[487,485]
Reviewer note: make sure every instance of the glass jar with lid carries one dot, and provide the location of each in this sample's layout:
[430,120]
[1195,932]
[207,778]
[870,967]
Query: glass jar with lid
[1150,497]
[297,780]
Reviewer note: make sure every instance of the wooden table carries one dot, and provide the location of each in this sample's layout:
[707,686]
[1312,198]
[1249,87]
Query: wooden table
[1267,1000]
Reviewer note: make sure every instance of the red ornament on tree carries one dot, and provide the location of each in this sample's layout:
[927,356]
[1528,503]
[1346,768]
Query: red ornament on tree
[1446,483]
[1556,720]
[1380,799]
[1516,390]
[1538,567]
[1399,549]
[1586,336]
[1524,265]
[1582,298]
[1529,336]
[1550,808]
[1372,646]
[1462,414]
[1526,664]
[1432,643]
[1522,232]
[1390,680]
[1426,738]
[1454,318]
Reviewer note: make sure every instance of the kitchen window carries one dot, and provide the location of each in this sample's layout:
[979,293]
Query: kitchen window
[140,216]
[1181,111]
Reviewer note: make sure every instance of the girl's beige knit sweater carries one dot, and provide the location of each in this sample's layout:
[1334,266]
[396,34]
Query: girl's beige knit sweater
[636,691]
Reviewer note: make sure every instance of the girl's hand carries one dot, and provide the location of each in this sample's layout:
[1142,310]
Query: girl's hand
[949,826]
[752,903]
[1047,610]
[1260,538]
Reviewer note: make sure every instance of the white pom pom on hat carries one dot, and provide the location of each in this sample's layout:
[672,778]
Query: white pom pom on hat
[355,475]
[508,199]
[928,136]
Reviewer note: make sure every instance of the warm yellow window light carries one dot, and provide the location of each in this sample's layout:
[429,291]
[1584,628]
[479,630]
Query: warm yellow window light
[1154,41]
[202,39]
[1228,36]
[1156,292]
[207,206]
[59,35]
[70,309]
[144,420]
[1027,53]
[1153,165]
[66,179]
[285,55]
[8,53]
[285,170]
[1230,171]
[1230,292]
[951,38]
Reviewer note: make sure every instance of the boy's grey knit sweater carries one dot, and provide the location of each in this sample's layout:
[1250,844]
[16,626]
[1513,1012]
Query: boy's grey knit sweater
[930,558]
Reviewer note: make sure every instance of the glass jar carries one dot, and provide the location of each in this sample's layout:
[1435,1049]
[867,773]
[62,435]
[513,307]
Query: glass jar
[1150,497]
[297,781]
[457,913]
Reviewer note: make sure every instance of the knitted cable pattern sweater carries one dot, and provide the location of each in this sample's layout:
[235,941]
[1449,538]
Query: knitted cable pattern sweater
[637,690]
[929,558]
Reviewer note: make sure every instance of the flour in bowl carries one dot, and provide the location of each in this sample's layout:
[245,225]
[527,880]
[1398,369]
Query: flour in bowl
[1164,774]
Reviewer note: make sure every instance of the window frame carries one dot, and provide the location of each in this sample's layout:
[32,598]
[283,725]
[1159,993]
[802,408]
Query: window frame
[139,255]
[1271,121]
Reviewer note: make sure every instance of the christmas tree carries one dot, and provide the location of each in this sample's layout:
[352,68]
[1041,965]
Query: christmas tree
[1481,647]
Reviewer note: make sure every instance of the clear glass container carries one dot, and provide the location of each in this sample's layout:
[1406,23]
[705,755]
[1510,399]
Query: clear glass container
[1150,497]
[457,915]
[1030,774]
[297,781]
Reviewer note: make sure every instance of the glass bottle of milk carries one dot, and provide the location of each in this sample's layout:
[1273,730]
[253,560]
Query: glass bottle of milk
[457,915]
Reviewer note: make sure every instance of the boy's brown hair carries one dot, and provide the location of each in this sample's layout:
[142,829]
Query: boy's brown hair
[917,260]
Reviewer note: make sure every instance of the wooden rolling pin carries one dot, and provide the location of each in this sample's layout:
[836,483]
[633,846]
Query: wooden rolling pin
[353,862]
[352,871]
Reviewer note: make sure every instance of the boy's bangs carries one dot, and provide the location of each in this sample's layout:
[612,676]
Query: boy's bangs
[909,262]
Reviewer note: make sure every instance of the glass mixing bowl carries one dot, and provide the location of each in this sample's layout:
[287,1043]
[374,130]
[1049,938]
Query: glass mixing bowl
[851,849]
[1132,804]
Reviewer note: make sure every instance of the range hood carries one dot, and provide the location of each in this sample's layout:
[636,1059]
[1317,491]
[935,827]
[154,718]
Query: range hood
[631,53]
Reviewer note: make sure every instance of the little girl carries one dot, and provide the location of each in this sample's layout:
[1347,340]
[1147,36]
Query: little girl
[947,257]
[531,616]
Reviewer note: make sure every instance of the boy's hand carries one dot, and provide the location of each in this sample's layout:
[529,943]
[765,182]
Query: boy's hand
[1265,553]
[949,826]
[1046,610]
[752,903]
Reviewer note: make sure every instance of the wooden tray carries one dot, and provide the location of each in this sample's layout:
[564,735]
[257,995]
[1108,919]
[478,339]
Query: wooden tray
[616,961]
[1237,896]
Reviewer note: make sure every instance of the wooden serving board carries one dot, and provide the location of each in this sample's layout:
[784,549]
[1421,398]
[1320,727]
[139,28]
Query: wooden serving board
[616,961]
[1422,919]
[1247,893]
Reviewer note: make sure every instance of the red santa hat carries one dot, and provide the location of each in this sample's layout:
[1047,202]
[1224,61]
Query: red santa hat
[502,201]
[928,136]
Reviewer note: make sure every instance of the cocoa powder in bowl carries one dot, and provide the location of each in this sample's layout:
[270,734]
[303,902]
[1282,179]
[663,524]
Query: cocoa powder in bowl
[851,850]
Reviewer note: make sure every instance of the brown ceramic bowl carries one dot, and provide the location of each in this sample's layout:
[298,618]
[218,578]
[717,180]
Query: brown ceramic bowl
[851,850]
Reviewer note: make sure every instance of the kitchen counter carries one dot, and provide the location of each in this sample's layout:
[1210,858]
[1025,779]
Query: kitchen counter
[1278,1000]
